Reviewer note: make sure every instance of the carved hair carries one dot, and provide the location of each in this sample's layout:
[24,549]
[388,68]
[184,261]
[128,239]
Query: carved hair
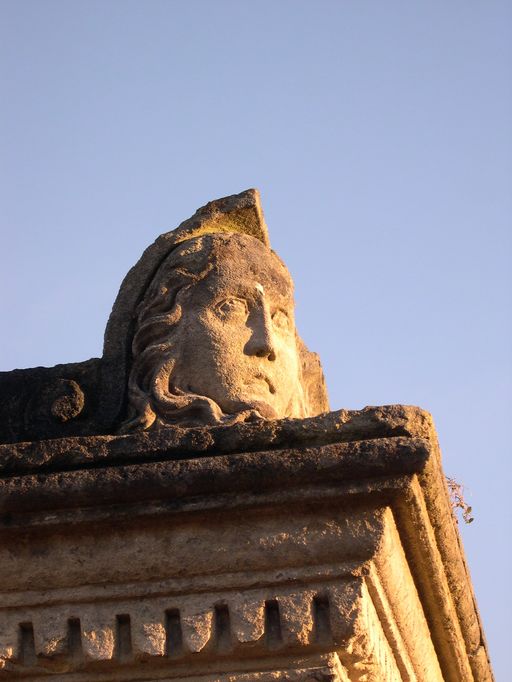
[156,342]
[153,398]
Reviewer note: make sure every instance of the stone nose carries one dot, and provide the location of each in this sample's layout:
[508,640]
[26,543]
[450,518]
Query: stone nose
[261,343]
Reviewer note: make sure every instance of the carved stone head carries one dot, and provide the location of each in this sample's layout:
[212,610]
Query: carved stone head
[214,340]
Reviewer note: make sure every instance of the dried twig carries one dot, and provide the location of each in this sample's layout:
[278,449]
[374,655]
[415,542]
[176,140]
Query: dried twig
[457,499]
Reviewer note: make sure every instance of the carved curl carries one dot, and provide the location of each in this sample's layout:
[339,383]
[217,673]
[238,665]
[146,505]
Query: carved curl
[156,343]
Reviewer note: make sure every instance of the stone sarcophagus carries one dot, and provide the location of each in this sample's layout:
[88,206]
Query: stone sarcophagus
[187,508]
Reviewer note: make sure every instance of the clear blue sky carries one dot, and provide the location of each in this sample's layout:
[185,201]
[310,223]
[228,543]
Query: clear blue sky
[380,136]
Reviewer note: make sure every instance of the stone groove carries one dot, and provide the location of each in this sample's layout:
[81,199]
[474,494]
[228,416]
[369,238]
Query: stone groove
[214,625]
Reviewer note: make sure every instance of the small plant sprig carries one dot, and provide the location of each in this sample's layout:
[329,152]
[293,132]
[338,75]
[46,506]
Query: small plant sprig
[457,500]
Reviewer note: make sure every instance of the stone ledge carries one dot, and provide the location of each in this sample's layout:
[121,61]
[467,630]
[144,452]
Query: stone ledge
[46,456]
[313,668]
[179,628]
[317,513]
[208,476]
[373,619]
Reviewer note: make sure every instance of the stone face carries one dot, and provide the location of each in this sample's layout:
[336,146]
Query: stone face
[185,508]
[215,338]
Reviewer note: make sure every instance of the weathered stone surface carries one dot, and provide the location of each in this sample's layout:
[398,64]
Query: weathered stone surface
[179,443]
[49,402]
[219,539]
[244,567]
[248,618]
[176,479]
[148,630]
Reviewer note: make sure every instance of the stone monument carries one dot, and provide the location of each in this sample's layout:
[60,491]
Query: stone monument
[187,508]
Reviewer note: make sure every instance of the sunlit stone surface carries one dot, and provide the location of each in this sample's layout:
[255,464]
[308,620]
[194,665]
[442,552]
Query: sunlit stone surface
[187,508]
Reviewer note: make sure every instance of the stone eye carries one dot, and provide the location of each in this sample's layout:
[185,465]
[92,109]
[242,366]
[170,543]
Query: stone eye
[281,319]
[231,308]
